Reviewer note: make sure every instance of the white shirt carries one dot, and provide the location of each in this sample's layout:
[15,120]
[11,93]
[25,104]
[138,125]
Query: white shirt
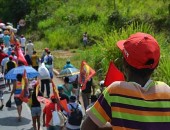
[23,41]
[30,48]
[1,35]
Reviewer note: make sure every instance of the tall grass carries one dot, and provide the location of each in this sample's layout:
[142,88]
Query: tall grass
[69,20]
[101,54]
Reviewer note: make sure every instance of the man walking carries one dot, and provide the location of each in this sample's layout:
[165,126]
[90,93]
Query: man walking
[139,102]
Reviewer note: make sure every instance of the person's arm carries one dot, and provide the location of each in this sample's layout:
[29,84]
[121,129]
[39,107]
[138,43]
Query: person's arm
[43,119]
[88,124]
[13,89]
[93,87]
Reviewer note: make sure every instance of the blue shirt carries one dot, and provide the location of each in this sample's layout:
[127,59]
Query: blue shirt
[6,40]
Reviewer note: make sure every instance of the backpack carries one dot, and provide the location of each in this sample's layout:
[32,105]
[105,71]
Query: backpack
[75,116]
[49,60]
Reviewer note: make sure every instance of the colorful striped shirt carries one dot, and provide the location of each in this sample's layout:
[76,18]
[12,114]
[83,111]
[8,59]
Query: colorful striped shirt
[18,89]
[127,106]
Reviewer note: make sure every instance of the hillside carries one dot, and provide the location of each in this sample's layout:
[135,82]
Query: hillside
[67,21]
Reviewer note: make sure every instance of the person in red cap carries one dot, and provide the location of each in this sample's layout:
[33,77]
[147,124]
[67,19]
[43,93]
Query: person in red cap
[14,56]
[139,102]
[47,113]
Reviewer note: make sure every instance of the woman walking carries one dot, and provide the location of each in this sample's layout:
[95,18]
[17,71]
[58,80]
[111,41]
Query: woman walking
[17,89]
[35,106]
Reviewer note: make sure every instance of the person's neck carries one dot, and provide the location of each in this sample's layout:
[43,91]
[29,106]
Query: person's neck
[139,80]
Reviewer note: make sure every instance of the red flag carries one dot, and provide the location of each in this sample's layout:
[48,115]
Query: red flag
[64,105]
[113,74]
[24,94]
[19,53]
[86,72]
[43,100]
[55,91]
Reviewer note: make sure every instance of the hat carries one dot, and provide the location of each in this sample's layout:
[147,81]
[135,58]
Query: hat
[52,97]
[68,61]
[101,82]
[140,50]
[10,57]
[60,87]
[72,98]
[12,52]
[46,49]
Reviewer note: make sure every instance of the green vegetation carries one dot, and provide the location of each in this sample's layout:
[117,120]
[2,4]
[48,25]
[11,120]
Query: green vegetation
[60,24]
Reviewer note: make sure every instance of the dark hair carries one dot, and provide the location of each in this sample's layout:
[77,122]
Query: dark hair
[93,98]
[140,72]
[48,52]
[19,77]
[66,79]
[72,98]
[53,100]
[34,52]
[20,63]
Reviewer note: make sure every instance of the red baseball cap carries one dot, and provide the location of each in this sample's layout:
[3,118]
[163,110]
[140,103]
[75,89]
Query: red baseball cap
[10,57]
[46,49]
[139,49]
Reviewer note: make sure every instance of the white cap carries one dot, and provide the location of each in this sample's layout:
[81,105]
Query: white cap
[101,82]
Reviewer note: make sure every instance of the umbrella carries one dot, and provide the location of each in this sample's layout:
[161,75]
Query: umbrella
[9,27]
[31,72]
[68,72]
[2,25]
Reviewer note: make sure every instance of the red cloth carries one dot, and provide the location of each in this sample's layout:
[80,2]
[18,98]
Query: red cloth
[113,74]
[20,55]
[2,56]
[48,109]
[24,94]
[86,72]
[141,50]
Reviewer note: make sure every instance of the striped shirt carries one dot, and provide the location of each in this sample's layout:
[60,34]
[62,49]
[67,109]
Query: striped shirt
[127,106]
[2,82]
[18,89]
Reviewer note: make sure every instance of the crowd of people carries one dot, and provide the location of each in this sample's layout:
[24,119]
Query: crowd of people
[43,64]
[137,103]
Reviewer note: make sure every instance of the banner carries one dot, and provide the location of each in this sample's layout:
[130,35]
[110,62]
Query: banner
[113,74]
[55,90]
[24,94]
[19,53]
[86,72]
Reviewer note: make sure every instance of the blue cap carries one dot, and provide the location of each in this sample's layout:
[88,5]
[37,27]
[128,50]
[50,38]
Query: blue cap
[60,87]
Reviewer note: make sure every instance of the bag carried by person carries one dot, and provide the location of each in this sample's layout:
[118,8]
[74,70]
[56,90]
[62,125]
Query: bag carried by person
[75,116]
[8,104]
[43,71]
[58,118]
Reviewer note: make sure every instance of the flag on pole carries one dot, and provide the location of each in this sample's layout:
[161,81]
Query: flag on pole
[63,103]
[86,72]
[55,90]
[37,87]
[19,53]
[24,94]
[113,74]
